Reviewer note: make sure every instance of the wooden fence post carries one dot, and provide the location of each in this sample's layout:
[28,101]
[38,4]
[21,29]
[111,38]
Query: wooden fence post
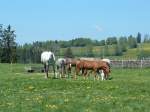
[141,63]
[122,63]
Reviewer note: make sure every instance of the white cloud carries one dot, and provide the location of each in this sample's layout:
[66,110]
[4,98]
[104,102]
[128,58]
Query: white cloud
[98,28]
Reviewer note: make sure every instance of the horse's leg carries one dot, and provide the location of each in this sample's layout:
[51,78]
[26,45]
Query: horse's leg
[77,72]
[88,74]
[95,70]
[54,71]
[64,71]
[84,73]
[102,75]
[68,69]
[67,72]
[46,70]
[105,74]
[59,72]
[97,74]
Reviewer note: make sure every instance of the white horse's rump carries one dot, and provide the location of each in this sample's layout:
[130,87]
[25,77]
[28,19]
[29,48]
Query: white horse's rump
[48,58]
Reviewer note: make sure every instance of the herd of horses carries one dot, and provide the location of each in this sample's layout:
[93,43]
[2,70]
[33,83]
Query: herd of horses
[84,66]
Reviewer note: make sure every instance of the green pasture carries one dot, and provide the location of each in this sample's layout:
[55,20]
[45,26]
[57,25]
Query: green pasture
[127,91]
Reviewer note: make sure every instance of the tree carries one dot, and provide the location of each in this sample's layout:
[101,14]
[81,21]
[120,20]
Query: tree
[106,51]
[8,45]
[89,51]
[55,47]
[111,40]
[118,50]
[102,43]
[138,37]
[1,33]
[68,53]
[146,38]
[123,43]
[132,42]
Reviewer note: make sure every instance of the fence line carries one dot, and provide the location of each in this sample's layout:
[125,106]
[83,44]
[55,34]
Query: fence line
[130,63]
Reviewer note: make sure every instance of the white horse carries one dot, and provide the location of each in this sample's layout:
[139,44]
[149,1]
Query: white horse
[61,66]
[48,58]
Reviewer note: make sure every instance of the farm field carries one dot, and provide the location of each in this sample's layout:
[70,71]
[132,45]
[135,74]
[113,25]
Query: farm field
[127,91]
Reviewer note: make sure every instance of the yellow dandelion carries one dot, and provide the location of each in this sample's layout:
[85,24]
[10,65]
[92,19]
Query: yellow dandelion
[30,87]
[88,87]
[88,110]
[9,103]
[27,99]
[66,100]
[52,106]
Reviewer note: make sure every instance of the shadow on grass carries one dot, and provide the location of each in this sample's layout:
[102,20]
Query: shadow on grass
[110,78]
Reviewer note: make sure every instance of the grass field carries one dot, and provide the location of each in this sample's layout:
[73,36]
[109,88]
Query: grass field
[127,91]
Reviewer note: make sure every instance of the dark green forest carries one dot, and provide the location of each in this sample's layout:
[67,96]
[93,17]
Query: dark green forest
[12,52]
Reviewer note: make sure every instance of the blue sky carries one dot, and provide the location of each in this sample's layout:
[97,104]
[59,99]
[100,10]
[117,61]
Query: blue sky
[41,20]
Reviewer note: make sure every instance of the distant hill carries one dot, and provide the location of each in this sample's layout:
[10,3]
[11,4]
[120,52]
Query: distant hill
[98,51]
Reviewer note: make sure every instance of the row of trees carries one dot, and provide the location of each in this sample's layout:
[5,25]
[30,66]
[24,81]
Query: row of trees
[11,52]
[32,51]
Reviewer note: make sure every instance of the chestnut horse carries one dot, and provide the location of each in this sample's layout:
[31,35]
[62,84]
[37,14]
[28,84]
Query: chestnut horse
[85,65]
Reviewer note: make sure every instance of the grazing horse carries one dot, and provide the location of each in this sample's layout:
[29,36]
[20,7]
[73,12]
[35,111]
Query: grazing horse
[70,63]
[63,66]
[92,65]
[48,58]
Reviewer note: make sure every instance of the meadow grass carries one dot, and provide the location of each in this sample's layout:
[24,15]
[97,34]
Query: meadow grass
[127,91]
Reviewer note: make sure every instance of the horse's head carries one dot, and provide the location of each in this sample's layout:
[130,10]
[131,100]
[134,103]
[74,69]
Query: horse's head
[107,61]
[53,56]
[105,67]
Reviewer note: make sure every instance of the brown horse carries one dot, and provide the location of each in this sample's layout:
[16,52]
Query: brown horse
[85,65]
